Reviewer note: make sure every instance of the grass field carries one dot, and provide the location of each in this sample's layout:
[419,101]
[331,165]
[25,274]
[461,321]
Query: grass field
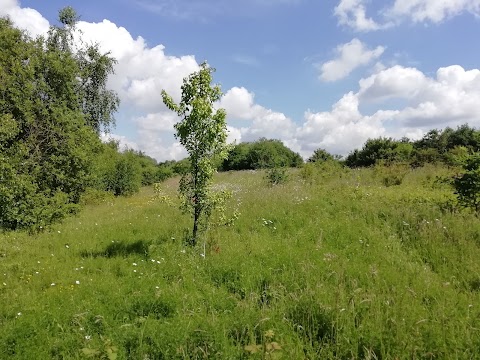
[331,265]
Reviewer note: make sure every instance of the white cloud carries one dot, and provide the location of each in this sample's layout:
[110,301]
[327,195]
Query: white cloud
[339,130]
[24,18]
[432,10]
[349,56]
[123,141]
[353,13]
[449,99]
[259,121]
[142,72]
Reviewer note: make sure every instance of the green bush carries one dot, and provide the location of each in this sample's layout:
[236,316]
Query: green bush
[277,175]
[467,185]
[46,148]
[125,177]
[261,154]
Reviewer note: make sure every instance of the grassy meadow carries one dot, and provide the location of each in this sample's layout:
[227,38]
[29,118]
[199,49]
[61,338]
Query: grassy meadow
[333,264]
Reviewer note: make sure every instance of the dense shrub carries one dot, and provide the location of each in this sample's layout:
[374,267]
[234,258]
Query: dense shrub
[467,185]
[261,154]
[276,175]
[322,155]
[46,148]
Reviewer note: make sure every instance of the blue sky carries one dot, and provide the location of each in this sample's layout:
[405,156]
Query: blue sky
[311,73]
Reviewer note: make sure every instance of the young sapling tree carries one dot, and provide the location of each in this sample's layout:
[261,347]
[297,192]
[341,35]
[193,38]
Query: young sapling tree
[202,130]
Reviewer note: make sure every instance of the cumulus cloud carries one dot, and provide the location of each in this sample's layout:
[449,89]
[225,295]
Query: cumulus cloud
[259,121]
[352,13]
[349,56]
[448,99]
[24,18]
[142,72]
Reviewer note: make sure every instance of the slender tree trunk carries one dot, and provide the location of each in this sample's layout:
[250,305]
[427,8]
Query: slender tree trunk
[196,206]
[196,216]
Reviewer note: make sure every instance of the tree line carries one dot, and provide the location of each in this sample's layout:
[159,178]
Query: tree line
[448,146]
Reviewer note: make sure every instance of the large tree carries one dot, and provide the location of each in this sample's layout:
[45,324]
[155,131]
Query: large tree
[96,101]
[202,130]
[48,139]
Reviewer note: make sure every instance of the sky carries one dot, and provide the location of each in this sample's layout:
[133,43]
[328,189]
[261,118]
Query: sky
[313,73]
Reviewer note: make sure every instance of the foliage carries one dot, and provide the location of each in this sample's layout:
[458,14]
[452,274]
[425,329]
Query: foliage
[261,154]
[467,185]
[276,175]
[53,103]
[97,103]
[380,149]
[321,155]
[448,146]
[203,132]
[46,150]
[122,173]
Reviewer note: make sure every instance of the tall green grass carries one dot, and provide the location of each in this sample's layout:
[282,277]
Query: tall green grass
[334,264]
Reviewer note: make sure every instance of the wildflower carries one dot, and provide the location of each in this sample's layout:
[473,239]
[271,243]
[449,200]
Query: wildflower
[135,271]
[134,264]
[87,337]
[19,314]
[4,284]
[77,282]
[68,247]
[58,231]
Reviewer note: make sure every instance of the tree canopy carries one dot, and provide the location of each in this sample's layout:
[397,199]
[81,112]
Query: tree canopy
[202,130]
[53,103]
